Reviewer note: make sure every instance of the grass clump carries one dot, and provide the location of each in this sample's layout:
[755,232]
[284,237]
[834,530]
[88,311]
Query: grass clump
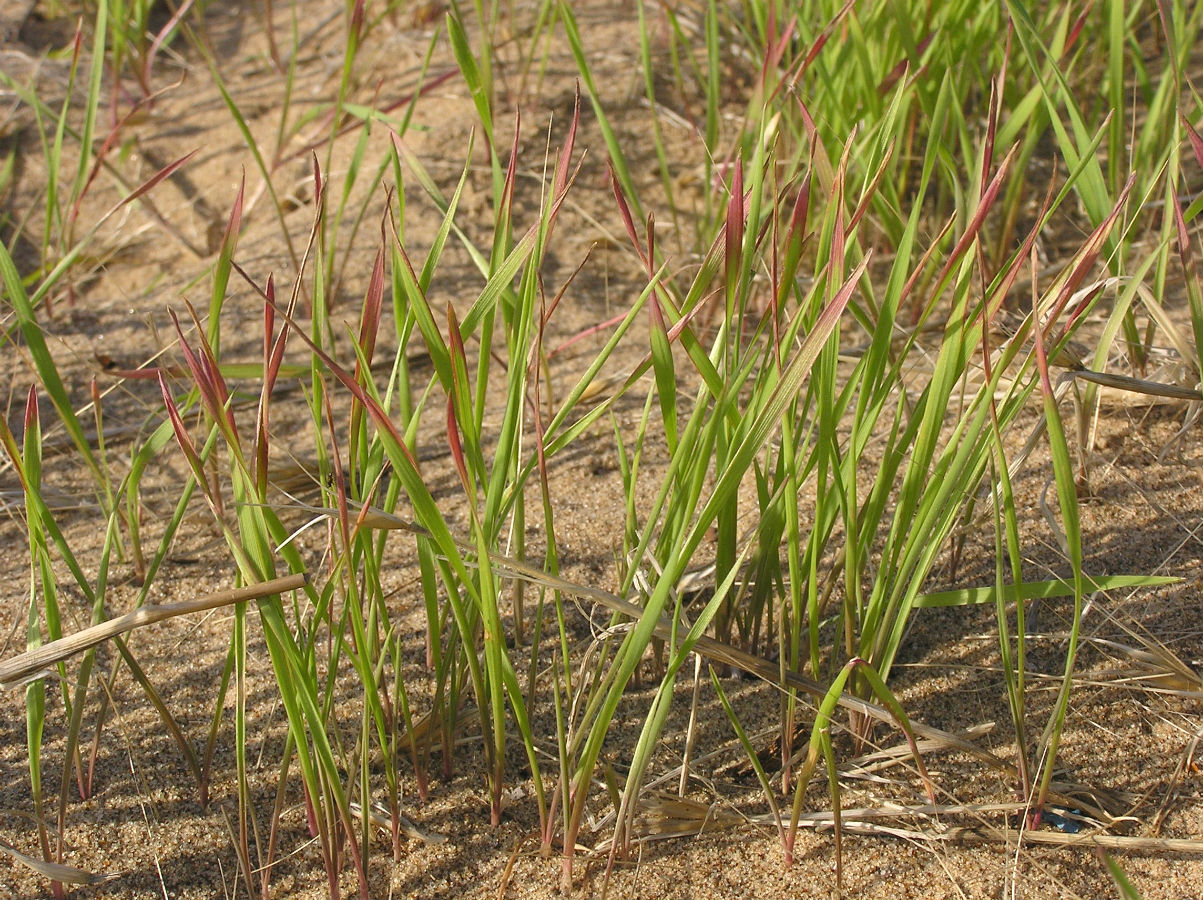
[892,228]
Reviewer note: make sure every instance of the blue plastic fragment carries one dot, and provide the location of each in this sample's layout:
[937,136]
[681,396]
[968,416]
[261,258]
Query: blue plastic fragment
[1062,823]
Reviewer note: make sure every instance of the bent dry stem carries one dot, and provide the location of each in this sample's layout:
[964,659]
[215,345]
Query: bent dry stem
[20,669]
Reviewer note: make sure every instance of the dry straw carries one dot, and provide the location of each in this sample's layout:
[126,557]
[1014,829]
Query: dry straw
[33,663]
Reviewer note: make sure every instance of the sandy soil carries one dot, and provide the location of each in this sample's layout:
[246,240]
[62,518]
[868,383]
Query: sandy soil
[1124,742]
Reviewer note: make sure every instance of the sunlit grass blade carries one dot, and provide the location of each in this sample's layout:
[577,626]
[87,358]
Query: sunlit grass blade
[1031,590]
[1067,501]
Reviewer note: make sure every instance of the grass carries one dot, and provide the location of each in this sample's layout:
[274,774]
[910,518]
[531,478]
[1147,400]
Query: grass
[891,227]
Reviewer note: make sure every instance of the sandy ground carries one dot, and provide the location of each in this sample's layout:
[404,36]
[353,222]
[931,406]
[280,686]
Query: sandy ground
[1124,742]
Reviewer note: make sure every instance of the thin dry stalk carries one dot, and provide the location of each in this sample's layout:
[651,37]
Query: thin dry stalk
[20,669]
[867,822]
[57,871]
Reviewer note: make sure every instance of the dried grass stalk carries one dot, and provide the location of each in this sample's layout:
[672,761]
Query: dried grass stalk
[20,669]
